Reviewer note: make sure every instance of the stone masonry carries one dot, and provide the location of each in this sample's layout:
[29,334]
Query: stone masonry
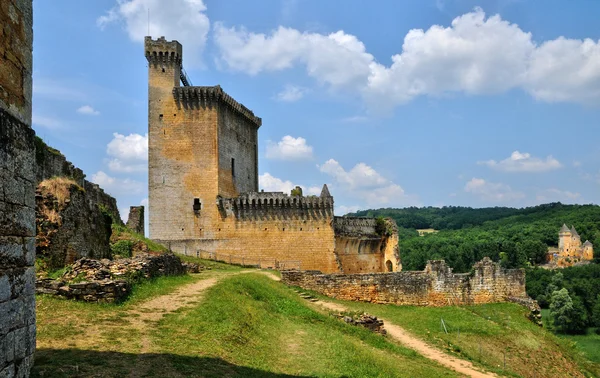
[17,191]
[135,222]
[435,286]
[203,189]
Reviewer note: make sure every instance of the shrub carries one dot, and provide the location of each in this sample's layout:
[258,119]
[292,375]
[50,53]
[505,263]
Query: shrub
[122,248]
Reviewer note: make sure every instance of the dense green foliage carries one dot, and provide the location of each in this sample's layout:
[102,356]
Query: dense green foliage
[581,283]
[516,237]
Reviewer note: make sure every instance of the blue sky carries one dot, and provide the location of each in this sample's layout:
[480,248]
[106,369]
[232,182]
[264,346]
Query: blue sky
[392,104]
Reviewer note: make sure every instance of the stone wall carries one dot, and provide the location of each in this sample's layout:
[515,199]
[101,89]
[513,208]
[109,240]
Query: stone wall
[17,183]
[109,281]
[69,224]
[135,222]
[435,286]
[49,163]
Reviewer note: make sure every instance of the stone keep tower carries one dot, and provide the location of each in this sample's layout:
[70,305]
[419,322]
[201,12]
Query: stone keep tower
[203,187]
[202,144]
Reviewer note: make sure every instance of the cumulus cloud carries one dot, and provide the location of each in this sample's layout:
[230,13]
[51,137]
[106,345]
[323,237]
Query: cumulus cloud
[269,183]
[557,195]
[523,162]
[183,20]
[291,93]
[365,183]
[129,153]
[87,110]
[492,192]
[289,148]
[474,55]
[117,186]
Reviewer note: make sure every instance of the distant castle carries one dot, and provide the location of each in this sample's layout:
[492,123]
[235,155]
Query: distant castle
[570,250]
[204,197]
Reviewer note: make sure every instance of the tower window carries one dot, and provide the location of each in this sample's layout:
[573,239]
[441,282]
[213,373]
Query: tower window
[233,167]
[197,204]
[160,116]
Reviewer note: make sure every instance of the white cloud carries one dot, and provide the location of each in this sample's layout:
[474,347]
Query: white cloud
[343,210]
[269,183]
[87,110]
[475,55]
[116,186]
[289,148]
[557,195]
[144,202]
[291,93]
[565,70]
[523,162]
[130,147]
[117,165]
[492,192]
[183,20]
[46,122]
[129,153]
[363,182]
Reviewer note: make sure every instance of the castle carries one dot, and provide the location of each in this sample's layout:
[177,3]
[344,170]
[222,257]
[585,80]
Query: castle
[570,250]
[204,198]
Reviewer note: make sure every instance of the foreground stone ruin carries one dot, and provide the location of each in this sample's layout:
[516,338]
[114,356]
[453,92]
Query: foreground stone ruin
[17,183]
[435,286]
[110,281]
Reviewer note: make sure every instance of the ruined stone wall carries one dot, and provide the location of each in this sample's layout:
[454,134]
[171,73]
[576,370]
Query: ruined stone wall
[135,221]
[50,162]
[435,286]
[69,224]
[17,183]
[362,247]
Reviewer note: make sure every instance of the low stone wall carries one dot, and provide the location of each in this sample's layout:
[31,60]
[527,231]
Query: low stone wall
[96,291]
[435,286]
[535,311]
[108,281]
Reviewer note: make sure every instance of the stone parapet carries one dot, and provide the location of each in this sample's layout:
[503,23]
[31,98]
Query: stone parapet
[276,205]
[210,96]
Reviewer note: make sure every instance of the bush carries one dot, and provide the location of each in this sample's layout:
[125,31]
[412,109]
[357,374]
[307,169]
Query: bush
[122,248]
[568,316]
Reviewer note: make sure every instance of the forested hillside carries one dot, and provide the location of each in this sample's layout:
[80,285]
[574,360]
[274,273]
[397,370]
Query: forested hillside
[517,237]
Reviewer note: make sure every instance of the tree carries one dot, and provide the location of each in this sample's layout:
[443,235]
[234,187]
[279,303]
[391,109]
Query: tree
[567,316]
[596,313]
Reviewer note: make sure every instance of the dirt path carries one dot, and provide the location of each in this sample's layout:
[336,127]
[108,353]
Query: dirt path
[412,342]
[153,310]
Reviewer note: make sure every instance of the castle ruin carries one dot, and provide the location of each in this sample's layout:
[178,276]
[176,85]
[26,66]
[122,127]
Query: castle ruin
[204,198]
[570,251]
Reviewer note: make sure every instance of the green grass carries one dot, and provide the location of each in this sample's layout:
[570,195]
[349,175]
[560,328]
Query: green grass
[212,264]
[486,335]
[250,320]
[246,326]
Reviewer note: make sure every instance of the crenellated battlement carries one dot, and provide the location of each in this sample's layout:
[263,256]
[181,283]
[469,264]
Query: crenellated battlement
[276,205]
[210,95]
[161,51]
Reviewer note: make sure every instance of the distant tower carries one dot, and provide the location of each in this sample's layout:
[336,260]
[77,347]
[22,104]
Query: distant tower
[588,250]
[564,239]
